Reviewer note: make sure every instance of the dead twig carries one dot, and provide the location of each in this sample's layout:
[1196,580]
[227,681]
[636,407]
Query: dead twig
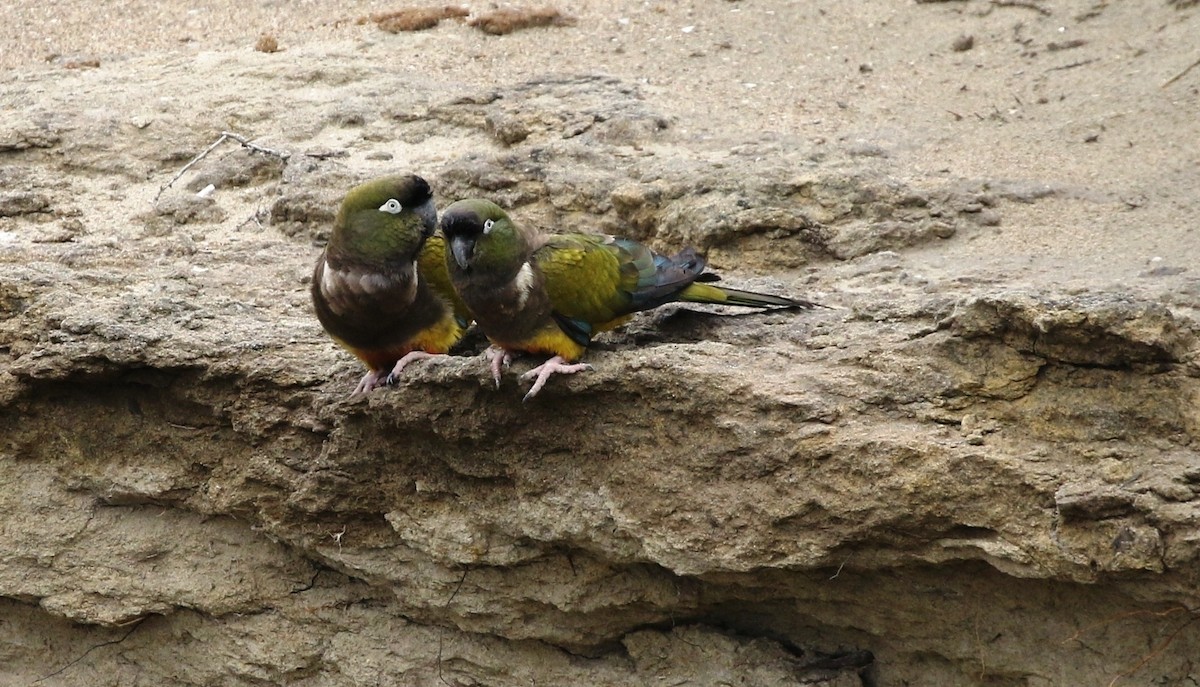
[225,136]
[1181,74]
[136,624]
[1023,3]
[1123,616]
[839,570]
[176,425]
[1192,617]
[1073,65]
[442,631]
[255,218]
[1155,653]
[457,588]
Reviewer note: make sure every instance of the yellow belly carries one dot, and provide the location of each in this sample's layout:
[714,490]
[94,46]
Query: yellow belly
[436,339]
[546,341]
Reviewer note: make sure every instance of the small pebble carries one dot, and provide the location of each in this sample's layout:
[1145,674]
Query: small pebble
[963,43]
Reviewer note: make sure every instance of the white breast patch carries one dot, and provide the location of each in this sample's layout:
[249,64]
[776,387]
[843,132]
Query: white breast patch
[524,284]
[344,287]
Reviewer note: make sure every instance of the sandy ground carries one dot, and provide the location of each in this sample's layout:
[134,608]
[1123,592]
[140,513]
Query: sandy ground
[1074,95]
[1058,140]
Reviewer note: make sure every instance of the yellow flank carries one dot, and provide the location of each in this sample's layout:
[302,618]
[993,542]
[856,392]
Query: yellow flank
[440,337]
[550,341]
[432,265]
[612,324]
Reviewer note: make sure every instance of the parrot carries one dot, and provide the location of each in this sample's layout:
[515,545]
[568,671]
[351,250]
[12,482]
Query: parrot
[380,288]
[550,294]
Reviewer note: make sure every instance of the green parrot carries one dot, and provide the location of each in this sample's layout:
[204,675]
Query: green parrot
[551,293]
[380,288]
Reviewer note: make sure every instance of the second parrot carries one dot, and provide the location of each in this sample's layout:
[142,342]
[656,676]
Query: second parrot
[551,293]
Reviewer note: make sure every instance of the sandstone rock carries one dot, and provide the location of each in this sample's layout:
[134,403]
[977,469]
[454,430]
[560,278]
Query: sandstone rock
[964,471]
[13,203]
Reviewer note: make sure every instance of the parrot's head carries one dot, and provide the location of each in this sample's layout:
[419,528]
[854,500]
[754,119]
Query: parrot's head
[482,240]
[385,220]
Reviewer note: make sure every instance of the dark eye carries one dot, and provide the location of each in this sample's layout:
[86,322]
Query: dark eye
[391,207]
[487,225]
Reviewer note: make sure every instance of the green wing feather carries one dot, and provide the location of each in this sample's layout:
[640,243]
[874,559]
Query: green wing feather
[586,278]
[594,282]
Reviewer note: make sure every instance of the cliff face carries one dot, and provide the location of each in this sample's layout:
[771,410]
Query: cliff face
[977,467]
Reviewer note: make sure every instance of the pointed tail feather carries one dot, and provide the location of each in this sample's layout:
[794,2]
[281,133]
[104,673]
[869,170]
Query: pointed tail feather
[720,295]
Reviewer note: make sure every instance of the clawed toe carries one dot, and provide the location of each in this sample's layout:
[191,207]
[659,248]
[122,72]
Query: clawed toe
[371,380]
[394,375]
[377,378]
[543,372]
[559,369]
[500,359]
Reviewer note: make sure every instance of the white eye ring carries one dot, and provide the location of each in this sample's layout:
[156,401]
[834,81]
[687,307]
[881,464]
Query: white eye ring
[487,225]
[392,207]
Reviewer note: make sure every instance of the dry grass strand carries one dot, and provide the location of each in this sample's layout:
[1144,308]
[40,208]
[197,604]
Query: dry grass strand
[503,21]
[267,43]
[415,18]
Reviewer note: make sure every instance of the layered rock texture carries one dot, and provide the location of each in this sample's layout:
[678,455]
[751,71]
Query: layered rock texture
[977,466]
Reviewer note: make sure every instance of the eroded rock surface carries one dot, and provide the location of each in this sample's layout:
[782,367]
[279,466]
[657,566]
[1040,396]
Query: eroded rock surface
[962,472]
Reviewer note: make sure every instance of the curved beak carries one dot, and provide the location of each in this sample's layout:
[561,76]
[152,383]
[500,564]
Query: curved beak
[462,248]
[428,214]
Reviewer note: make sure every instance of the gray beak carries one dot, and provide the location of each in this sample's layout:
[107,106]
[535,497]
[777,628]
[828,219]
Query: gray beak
[428,214]
[462,248]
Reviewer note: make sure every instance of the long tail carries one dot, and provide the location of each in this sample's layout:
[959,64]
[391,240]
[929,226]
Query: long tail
[720,295]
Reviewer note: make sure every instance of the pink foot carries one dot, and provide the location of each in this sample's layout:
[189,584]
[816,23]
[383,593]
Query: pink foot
[394,375]
[543,372]
[371,380]
[377,378]
[500,359]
